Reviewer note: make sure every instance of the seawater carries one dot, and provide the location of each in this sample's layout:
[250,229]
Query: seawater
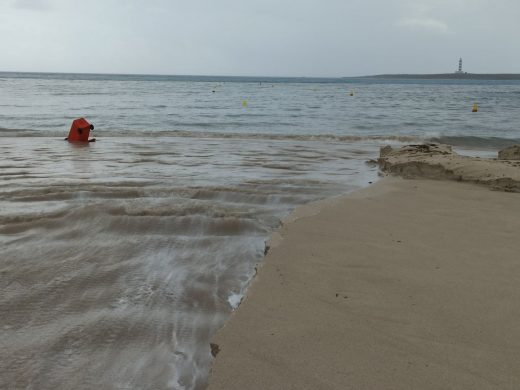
[44,105]
[120,259]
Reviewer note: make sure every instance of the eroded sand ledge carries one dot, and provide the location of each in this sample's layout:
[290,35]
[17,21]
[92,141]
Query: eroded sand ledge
[407,284]
[434,161]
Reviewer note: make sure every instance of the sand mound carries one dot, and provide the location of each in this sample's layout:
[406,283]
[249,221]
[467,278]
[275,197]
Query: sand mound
[436,161]
[511,153]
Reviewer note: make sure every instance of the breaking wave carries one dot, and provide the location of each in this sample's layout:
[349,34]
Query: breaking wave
[460,141]
[218,135]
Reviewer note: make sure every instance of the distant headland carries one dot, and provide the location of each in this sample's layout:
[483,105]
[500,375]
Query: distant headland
[448,76]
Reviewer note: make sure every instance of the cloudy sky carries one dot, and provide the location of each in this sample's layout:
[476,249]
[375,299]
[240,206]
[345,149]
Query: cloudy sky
[260,37]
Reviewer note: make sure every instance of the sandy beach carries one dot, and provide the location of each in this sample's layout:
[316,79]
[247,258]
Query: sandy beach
[407,284]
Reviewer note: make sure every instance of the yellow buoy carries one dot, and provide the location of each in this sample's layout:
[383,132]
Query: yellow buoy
[244,103]
[475,107]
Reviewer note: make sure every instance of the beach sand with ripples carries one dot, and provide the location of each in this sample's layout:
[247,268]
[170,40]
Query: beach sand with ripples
[407,284]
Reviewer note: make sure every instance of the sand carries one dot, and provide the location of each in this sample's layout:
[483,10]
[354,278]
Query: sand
[407,284]
[434,161]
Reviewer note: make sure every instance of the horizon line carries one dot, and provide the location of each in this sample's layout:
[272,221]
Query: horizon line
[260,76]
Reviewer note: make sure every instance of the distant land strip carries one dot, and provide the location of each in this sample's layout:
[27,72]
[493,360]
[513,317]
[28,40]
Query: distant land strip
[449,76]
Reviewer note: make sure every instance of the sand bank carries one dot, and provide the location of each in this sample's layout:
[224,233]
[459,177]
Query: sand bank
[434,161]
[408,284]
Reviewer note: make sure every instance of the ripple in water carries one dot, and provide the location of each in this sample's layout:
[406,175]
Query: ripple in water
[120,260]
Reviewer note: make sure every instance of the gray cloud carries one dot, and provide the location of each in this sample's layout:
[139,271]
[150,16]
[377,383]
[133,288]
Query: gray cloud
[430,24]
[38,5]
[260,37]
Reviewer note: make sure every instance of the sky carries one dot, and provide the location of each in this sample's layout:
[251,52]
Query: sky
[313,38]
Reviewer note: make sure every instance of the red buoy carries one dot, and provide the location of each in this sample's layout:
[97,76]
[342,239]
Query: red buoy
[80,131]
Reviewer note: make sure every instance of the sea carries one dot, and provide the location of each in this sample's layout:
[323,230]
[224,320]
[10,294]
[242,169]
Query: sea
[120,259]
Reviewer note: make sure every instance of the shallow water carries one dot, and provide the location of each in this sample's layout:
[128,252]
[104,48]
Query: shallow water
[121,258]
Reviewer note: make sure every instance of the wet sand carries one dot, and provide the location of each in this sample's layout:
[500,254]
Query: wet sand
[408,284]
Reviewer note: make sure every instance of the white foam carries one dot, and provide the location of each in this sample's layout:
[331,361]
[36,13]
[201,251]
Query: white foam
[234,300]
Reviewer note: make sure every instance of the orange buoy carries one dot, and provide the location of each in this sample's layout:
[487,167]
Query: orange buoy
[80,131]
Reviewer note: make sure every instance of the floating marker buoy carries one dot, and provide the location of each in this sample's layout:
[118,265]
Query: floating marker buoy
[80,131]
[351,93]
[475,107]
[244,103]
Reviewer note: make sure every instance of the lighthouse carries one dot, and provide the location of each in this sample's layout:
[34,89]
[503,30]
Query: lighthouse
[460,67]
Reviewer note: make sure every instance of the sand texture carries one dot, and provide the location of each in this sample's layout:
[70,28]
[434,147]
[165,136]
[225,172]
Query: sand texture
[434,161]
[408,284]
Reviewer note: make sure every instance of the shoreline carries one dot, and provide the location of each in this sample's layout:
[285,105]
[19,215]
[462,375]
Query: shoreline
[403,284]
[447,76]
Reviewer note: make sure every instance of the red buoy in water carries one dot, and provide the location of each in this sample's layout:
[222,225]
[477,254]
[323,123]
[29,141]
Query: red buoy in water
[80,131]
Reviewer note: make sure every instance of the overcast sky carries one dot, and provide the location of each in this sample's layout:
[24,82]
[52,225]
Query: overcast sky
[260,37]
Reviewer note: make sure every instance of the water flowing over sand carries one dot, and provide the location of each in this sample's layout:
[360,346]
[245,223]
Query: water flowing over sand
[121,259]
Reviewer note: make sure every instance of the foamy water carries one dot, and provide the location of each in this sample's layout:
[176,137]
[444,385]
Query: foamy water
[121,259]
